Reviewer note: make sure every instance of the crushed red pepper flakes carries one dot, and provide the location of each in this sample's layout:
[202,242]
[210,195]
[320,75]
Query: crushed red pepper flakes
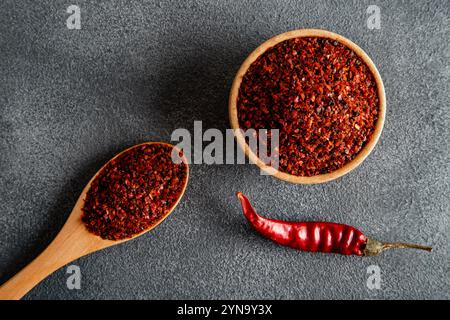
[133,192]
[321,96]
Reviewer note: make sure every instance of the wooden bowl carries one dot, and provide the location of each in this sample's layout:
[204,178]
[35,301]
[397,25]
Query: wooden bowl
[233,112]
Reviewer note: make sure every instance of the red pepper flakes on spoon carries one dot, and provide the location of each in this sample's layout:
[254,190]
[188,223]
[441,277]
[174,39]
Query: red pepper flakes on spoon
[133,192]
[324,237]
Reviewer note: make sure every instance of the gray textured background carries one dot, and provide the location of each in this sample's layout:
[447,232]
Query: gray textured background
[137,70]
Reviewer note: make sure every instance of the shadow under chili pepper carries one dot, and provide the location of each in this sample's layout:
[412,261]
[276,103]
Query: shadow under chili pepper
[61,209]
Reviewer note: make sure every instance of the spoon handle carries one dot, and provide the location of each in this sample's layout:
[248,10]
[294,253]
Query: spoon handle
[71,243]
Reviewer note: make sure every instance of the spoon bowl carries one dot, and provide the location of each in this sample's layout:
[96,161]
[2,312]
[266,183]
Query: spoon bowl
[72,242]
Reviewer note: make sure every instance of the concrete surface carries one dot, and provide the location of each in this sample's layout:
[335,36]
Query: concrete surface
[137,70]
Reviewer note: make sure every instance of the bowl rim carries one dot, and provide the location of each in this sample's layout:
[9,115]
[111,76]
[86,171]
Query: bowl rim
[232,106]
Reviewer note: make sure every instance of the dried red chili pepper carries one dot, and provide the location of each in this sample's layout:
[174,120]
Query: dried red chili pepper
[319,94]
[318,236]
[133,192]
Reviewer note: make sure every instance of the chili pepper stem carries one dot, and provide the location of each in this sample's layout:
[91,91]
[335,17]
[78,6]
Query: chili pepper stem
[374,247]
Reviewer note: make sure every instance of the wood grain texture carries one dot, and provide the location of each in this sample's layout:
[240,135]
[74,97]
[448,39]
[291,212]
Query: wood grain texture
[71,243]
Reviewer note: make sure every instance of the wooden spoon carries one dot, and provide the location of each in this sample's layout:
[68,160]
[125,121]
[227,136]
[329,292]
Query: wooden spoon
[71,243]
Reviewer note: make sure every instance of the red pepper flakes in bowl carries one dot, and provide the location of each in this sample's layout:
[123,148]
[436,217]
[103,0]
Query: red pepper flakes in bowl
[326,99]
[134,191]
[321,96]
